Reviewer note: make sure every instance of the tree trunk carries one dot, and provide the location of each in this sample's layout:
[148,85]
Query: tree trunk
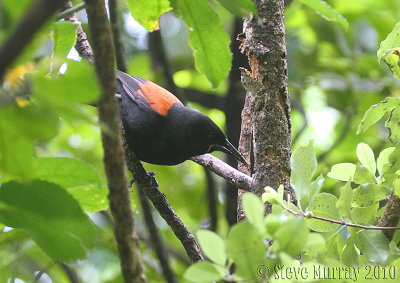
[263,41]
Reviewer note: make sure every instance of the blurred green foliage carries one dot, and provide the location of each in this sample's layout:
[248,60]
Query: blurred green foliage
[52,138]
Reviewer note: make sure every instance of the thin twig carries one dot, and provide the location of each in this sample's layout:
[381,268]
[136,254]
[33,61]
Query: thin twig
[114,158]
[341,222]
[236,178]
[31,22]
[68,12]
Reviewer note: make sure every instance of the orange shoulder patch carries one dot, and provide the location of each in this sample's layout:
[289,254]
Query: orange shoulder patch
[160,99]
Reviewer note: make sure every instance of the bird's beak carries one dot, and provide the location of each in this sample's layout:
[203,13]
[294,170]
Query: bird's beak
[230,149]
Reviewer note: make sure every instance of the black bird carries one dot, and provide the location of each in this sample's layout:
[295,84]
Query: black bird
[160,129]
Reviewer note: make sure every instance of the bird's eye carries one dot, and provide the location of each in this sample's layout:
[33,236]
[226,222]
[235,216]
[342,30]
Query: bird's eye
[211,139]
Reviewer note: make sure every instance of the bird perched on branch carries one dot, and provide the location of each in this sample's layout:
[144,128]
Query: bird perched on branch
[160,129]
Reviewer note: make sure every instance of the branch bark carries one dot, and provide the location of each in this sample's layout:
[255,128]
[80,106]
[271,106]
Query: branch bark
[266,84]
[82,44]
[233,176]
[114,159]
[31,22]
[149,186]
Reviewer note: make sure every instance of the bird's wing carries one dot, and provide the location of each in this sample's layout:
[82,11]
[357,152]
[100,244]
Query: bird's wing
[147,94]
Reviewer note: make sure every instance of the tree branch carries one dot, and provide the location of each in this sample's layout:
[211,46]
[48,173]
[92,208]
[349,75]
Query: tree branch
[70,11]
[236,178]
[341,222]
[149,185]
[114,159]
[31,22]
[82,44]
[267,83]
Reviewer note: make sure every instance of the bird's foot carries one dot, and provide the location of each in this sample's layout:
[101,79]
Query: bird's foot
[130,183]
[153,180]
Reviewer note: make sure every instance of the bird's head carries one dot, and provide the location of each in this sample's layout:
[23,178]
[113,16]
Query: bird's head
[212,138]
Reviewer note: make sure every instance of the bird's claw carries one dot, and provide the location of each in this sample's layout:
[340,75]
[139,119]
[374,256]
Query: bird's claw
[153,180]
[130,183]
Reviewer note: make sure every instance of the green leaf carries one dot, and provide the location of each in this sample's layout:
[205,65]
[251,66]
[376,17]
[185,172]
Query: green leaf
[383,159]
[329,251]
[203,272]
[326,11]
[367,194]
[313,190]
[254,210]
[64,171]
[207,37]
[349,254]
[240,8]
[64,38]
[373,244]
[376,112]
[78,84]
[20,128]
[392,59]
[391,41]
[363,175]
[394,162]
[313,245]
[393,124]
[304,164]
[366,157]
[148,12]
[396,187]
[79,178]
[344,202]
[364,215]
[245,246]
[272,223]
[342,171]
[284,236]
[213,246]
[50,215]
[324,205]
[271,196]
